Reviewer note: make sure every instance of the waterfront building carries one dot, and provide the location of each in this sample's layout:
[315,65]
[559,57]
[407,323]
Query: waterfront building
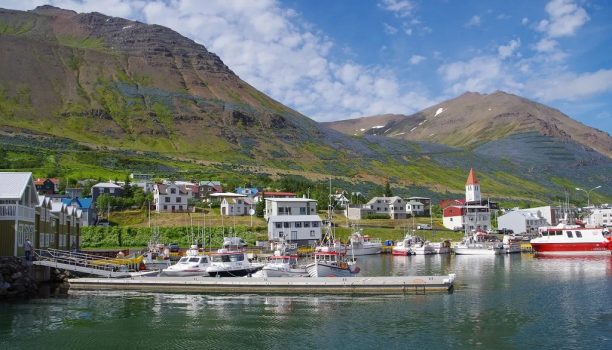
[472,214]
[601,217]
[18,200]
[522,222]
[293,219]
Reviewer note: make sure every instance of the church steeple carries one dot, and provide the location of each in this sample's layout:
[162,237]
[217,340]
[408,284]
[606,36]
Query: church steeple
[472,188]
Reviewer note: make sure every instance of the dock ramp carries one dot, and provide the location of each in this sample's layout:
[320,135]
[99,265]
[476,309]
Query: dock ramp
[84,263]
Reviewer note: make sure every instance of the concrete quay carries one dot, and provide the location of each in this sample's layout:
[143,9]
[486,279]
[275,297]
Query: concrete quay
[275,285]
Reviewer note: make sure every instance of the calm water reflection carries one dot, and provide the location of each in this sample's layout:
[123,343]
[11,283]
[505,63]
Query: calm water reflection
[500,302]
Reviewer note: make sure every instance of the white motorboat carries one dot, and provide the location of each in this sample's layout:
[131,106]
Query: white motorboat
[282,266]
[479,244]
[443,247]
[363,245]
[422,248]
[331,264]
[406,245]
[192,265]
[511,245]
[226,263]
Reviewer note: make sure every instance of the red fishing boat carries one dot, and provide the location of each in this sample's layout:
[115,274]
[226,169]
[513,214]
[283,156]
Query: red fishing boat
[573,239]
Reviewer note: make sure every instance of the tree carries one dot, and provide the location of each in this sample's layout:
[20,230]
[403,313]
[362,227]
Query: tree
[388,192]
[260,208]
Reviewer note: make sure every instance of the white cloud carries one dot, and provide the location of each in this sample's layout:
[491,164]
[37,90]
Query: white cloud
[401,8]
[525,21]
[482,74]
[389,29]
[565,17]
[473,22]
[570,86]
[546,45]
[505,51]
[416,59]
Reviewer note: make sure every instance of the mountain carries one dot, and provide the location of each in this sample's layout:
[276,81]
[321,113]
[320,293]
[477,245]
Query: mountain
[473,119]
[85,95]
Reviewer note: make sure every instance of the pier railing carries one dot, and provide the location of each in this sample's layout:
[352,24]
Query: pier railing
[83,262]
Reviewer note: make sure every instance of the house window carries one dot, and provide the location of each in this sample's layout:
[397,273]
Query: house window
[315,224]
[178,199]
[165,207]
[285,224]
[279,225]
[173,190]
[166,199]
[298,224]
[306,223]
[312,233]
[302,211]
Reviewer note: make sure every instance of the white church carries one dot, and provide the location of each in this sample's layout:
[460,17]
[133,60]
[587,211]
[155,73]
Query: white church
[472,215]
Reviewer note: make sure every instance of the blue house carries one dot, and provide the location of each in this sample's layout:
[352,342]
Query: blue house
[247,191]
[88,217]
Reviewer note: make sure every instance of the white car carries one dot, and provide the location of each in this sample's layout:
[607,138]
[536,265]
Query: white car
[424,227]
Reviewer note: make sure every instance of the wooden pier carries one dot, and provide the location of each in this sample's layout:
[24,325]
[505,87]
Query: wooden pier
[276,285]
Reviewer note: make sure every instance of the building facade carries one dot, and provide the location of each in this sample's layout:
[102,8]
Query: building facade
[169,197]
[18,201]
[472,215]
[601,217]
[521,222]
[293,219]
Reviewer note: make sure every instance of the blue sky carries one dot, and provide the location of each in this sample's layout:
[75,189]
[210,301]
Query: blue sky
[338,59]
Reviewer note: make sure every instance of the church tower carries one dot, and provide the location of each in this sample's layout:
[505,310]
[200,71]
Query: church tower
[472,188]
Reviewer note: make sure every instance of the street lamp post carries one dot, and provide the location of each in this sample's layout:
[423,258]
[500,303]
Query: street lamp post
[588,192]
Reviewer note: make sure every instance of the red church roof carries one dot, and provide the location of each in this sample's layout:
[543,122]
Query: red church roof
[472,180]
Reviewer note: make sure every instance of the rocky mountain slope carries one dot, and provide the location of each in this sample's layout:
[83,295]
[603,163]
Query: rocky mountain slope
[473,119]
[88,95]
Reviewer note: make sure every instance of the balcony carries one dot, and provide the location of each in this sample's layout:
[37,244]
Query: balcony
[10,212]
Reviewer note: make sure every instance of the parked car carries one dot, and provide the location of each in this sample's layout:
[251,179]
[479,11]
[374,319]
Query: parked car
[424,227]
[173,247]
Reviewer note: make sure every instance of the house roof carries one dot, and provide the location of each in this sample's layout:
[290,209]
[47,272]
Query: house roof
[300,200]
[83,203]
[286,194]
[210,183]
[472,180]
[387,200]
[13,185]
[106,185]
[227,194]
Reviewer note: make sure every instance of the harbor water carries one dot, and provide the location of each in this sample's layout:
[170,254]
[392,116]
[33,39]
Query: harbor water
[499,302]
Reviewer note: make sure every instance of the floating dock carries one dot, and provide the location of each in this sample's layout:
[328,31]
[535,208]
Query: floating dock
[276,285]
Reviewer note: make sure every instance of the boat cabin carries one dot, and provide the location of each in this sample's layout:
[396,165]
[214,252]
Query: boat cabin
[227,257]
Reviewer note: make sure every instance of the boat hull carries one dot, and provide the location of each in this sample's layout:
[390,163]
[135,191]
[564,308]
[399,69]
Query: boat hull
[478,251]
[185,273]
[271,272]
[232,273]
[401,251]
[325,270]
[591,248]
[358,251]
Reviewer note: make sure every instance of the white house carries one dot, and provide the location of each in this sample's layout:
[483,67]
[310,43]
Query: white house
[18,200]
[415,208]
[293,219]
[521,222]
[169,197]
[234,204]
[395,206]
[601,217]
[341,201]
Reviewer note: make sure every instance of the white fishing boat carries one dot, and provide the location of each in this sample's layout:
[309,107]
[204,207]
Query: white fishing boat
[511,245]
[363,245]
[479,244]
[227,263]
[282,266]
[443,247]
[192,264]
[156,258]
[331,264]
[422,248]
